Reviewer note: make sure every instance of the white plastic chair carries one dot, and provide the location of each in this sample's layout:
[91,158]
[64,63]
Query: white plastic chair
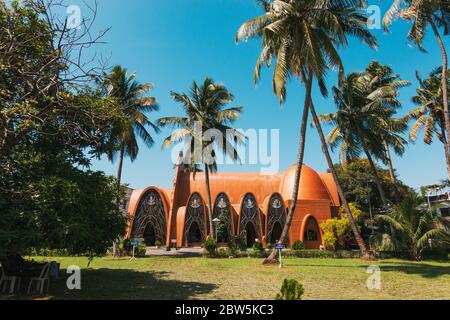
[4,279]
[40,281]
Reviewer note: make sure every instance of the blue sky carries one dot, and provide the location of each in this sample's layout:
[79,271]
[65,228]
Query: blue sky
[170,43]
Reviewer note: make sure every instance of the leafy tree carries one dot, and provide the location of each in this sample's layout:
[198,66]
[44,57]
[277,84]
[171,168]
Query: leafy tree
[49,202]
[417,226]
[422,14]
[204,107]
[337,231]
[302,37]
[429,115]
[43,77]
[130,95]
[358,182]
[51,123]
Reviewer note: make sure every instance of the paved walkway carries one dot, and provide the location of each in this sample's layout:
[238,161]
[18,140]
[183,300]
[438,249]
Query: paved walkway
[185,252]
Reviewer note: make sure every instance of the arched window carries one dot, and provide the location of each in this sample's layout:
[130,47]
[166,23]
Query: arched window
[194,223]
[149,222]
[250,215]
[222,211]
[276,218]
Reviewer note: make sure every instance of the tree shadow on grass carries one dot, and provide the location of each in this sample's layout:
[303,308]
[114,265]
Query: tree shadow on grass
[123,284]
[422,269]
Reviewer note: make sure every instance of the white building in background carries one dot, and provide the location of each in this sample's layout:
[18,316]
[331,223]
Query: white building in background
[439,198]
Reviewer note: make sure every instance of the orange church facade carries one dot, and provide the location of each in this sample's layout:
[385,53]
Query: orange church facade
[249,204]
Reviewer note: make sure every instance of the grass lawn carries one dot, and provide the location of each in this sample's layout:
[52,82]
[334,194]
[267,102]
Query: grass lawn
[200,278]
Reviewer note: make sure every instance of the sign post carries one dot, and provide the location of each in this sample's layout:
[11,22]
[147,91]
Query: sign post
[280,247]
[134,243]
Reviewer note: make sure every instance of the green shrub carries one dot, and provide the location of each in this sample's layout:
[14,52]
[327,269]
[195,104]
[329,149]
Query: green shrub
[258,247]
[210,247]
[298,245]
[158,244]
[140,250]
[269,246]
[291,290]
[238,242]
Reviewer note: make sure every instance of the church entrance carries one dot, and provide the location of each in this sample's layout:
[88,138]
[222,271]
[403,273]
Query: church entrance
[194,236]
[251,234]
[149,235]
[276,233]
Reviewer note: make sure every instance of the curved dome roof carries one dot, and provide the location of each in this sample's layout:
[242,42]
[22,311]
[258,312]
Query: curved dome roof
[311,185]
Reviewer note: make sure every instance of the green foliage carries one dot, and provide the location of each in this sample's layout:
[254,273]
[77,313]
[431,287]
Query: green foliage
[298,245]
[210,247]
[140,250]
[222,230]
[238,242]
[158,244]
[291,290]
[356,179]
[417,225]
[337,231]
[257,251]
[52,126]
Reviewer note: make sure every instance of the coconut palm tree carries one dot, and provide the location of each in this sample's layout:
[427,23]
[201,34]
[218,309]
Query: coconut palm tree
[205,110]
[363,121]
[129,93]
[429,115]
[422,14]
[383,76]
[417,225]
[302,36]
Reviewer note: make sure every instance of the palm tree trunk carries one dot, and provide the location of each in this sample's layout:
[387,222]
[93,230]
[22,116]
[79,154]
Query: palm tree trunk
[209,204]
[301,151]
[376,177]
[341,192]
[119,170]
[381,192]
[119,181]
[444,88]
[389,163]
[447,155]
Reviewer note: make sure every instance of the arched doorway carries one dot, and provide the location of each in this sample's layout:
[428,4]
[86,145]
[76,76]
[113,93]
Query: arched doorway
[311,234]
[194,223]
[149,235]
[276,219]
[249,215]
[250,234]
[149,223]
[194,236]
[222,212]
[277,230]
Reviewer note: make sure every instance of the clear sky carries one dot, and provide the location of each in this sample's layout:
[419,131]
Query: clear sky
[172,42]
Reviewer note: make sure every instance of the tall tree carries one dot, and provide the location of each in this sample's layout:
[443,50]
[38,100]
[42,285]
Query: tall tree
[205,110]
[424,13]
[129,93]
[363,120]
[429,115]
[383,76]
[302,37]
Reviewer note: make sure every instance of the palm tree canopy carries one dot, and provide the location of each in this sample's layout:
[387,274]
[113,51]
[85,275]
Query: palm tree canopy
[421,13]
[417,223]
[130,94]
[304,36]
[429,115]
[204,105]
[366,103]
